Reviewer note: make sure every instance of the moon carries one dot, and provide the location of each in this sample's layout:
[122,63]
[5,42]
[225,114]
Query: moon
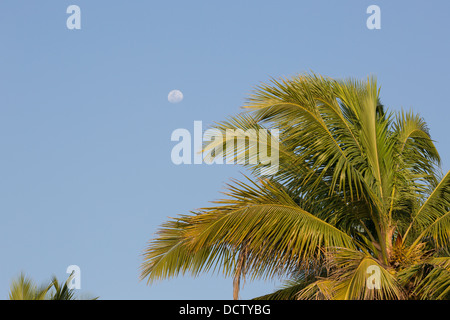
[175,96]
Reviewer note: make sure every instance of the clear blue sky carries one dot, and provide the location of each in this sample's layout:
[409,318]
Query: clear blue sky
[86,176]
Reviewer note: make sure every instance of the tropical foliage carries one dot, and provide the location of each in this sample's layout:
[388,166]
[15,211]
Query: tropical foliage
[24,288]
[359,188]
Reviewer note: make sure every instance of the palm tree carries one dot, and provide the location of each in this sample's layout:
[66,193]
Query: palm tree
[24,288]
[358,208]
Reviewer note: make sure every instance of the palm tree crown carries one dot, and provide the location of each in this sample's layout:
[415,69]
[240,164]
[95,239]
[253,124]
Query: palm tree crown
[358,189]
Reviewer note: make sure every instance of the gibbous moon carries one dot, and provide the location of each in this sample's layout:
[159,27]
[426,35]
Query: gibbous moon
[175,96]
